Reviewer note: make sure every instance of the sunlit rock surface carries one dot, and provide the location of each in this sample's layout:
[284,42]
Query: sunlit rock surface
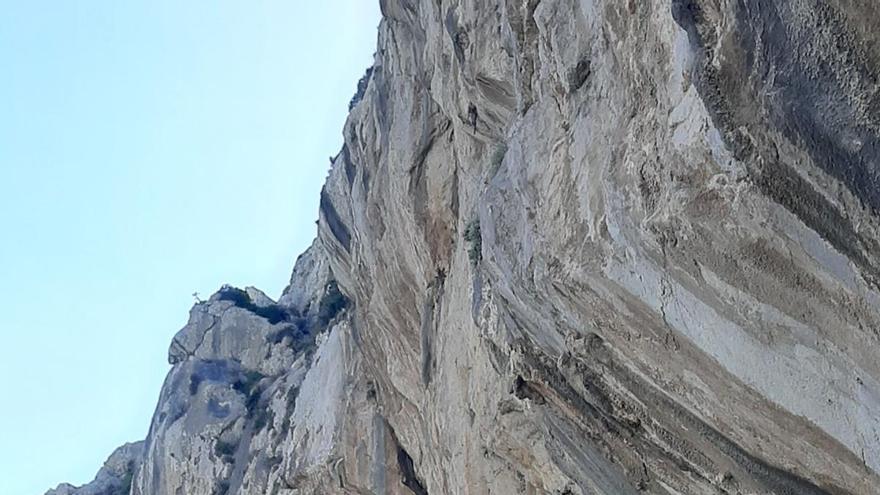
[114,478]
[569,247]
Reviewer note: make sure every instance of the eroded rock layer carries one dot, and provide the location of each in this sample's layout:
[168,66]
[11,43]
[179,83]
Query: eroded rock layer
[568,247]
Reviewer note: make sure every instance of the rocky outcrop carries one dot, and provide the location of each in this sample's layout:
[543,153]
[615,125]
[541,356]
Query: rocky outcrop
[261,396]
[568,247]
[114,478]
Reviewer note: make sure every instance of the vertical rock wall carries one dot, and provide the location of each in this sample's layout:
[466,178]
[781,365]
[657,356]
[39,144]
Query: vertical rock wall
[568,247]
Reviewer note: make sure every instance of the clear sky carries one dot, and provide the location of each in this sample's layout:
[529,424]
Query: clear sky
[148,149]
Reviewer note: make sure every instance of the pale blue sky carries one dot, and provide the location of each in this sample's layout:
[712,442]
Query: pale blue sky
[148,149]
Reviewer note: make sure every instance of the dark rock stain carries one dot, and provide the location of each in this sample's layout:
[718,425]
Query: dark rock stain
[337,226]
[813,98]
[606,416]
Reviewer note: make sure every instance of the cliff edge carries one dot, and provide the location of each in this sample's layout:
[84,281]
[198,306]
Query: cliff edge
[568,247]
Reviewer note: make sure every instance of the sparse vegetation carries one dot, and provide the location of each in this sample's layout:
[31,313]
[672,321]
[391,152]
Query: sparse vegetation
[248,385]
[194,381]
[496,158]
[222,487]
[331,304]
[124,487]
[248,381]
[579,75]
[361,89]
[262,417]
[292,394]
[225,450]
[297,332]
[474,238]
[274,461]
[274,313]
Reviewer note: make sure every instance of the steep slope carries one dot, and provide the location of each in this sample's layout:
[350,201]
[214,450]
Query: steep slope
[585,246]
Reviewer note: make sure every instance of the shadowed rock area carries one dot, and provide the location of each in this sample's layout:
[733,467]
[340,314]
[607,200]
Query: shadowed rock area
[568,247]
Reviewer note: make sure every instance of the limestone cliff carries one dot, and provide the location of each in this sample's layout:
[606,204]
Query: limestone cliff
[568,247]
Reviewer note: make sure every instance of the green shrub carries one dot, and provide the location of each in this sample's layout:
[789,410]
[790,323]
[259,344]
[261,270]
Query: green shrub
[473,236]
[225,450]
[222,487]
[262,417]
[126,480]
[194,382]
[238,297]
[248,385]
[297,332]
[274,313]
[497,158]
[247,381]
[331,304]
[361,89]
[124,487]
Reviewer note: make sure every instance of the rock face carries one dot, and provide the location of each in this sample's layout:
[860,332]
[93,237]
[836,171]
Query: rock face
[115,478]
[568,247]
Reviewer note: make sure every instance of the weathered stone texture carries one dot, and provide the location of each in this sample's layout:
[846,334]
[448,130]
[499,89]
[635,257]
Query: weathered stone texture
[587,247]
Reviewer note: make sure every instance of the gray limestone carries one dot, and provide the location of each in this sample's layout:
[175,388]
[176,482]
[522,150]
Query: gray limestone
[568,247]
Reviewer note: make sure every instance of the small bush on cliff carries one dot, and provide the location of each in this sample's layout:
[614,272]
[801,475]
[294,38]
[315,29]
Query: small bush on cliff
[222,487]
[237,296]
[361,89]
[274,313]
[124,487]
[497,158]
[331,304]
[474,237]
[225,450]
[247,382]
[262,417]
[297,334]
[194,381]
